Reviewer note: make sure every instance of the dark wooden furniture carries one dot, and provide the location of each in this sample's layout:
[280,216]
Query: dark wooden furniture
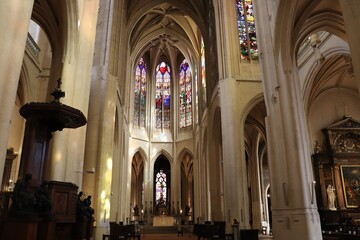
[249,234]
[41,120]
[63,196]
[118,231]
[210,231]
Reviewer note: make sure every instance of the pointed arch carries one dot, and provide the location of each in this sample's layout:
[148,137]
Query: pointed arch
[255,101]
[165,153]
[184,151]
[162,184]
[331,22]
[187,181]
[137,181]
[142,153]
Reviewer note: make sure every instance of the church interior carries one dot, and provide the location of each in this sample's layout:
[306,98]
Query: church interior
[238,115]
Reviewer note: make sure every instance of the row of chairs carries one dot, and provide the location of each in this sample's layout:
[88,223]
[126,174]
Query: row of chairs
[126,232]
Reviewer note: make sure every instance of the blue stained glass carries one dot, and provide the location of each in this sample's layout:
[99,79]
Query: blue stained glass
[140,94]
[162,96]
[247,31]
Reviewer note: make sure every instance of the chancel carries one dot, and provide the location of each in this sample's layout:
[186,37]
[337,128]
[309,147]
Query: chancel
[232,119]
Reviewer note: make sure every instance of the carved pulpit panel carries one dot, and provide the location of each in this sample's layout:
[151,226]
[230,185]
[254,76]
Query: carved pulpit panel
[63,197]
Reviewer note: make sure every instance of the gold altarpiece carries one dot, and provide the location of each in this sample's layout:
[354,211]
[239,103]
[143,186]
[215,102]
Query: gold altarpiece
[337,164]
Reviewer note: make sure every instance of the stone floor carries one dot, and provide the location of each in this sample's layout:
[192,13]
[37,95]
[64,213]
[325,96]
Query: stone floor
[151,235]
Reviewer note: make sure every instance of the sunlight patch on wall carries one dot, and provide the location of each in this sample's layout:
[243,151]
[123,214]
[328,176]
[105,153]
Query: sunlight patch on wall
[105,193]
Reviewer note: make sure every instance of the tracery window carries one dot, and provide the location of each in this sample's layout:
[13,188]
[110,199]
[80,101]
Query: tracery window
[162,96]
[185,110]
[140,94]
[160,187]
[247,32]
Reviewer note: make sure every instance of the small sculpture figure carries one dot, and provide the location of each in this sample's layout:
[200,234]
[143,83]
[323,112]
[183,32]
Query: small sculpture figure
[317,147]
[331,197]
[43,203]
[187,210]
[136,210]
[89,210]
[83,209]
[80,208]
[24,200]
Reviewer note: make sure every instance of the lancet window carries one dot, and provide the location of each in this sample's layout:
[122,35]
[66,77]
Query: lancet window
[185,82]
[162,96]
[140,94]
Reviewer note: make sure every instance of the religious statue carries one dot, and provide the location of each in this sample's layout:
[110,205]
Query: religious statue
[43,203]
[331,197]
[187,210]
[136,210]
[89,210]
[23,200]
[83,209]
[317,148]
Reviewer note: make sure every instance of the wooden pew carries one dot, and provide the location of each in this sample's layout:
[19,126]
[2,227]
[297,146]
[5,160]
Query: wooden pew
[118,231]
[210,231]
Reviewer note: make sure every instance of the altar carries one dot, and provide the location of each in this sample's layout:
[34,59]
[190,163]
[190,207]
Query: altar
[163,220]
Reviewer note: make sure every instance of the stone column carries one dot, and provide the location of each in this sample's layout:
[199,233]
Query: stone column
[350,11]
[231,98]
[68,146]
[200,183]
[15,18]
[255,183]
[294,214]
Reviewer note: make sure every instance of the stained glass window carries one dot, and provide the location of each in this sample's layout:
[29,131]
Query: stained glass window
[160,187]
[247,33]
[140,94]
[203,72]
[185,95]
[162,96]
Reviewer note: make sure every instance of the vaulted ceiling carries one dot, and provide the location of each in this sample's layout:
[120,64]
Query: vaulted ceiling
[165,26]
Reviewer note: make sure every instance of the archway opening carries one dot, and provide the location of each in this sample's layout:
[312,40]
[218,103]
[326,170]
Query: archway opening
[162,183]
[137,183]
[187,186]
